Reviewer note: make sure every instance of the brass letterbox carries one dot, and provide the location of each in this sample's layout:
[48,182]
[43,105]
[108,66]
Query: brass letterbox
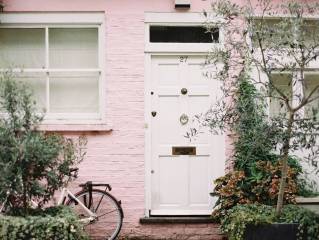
[184,150]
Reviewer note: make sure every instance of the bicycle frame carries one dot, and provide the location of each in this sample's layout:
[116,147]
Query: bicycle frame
[67,193]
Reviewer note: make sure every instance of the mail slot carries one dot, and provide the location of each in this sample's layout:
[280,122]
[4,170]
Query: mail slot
[184,150]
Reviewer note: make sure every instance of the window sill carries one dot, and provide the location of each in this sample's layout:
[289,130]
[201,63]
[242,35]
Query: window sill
[98,127]
[177,220]
[306,200]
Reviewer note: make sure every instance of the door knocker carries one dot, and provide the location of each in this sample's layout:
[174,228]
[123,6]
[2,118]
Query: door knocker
[183,119]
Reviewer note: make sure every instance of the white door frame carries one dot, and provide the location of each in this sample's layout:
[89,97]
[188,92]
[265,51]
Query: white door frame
[164,49]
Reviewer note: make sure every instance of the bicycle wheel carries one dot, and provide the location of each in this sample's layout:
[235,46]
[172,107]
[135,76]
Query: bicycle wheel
[108,210]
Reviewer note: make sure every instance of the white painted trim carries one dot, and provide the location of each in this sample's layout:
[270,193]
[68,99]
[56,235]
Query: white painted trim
[51,25]
[179,19]
[53,18]
[47,89]
[50,70]
[102,63]
[180,212]
[180,47]
[47,64]
[66,116]
[278,16]
[304,200]
[47,20]
[153,49]
[88,127]
[148,134]
[296,89]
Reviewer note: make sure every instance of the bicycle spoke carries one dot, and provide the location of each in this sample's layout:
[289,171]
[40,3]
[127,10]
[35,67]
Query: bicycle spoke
[108,221]
[99,203]
[107,213]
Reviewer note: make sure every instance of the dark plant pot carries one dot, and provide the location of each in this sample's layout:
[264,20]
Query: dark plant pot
[280,231]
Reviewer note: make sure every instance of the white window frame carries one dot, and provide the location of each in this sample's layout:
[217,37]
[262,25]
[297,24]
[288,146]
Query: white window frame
[179,19]
[313,68]
[47,20]
[296,89]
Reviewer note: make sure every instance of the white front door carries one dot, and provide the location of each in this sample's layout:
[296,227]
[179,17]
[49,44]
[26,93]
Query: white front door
[182,170]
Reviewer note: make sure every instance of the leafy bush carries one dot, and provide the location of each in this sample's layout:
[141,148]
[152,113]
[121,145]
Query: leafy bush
[239,217]
[257,170]
[262,186]
[33,164]
[274,50]
[58,223]
[255,138]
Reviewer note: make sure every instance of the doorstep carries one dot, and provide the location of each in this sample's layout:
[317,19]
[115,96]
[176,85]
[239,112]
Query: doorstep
[176,220]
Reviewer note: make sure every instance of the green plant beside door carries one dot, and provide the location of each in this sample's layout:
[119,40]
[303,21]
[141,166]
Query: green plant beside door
[272,54]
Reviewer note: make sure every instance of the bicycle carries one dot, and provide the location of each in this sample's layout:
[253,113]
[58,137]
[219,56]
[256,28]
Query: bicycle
[99,211]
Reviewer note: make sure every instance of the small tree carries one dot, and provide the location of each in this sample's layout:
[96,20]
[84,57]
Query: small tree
[275,46]
[33,164]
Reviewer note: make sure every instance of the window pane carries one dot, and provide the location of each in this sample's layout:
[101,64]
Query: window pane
[283,83]
[73,47]
[312,81]
[311,32]
[183,34]
[22,48]
[74,93]
[270,32]
[37,84]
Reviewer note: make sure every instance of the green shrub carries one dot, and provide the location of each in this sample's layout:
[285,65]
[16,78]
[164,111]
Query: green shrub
[33,164]
[239,217]
[58,223]
[238,187]
[257,170]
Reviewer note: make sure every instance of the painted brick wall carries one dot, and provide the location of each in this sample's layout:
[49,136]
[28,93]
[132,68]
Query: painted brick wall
[117,157]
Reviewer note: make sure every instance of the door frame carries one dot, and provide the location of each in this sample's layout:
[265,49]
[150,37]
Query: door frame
[165,49]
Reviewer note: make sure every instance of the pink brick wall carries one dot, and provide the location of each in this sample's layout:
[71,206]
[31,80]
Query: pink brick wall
[118,157]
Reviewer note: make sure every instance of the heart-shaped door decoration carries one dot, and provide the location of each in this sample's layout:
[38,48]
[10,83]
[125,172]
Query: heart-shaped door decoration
[183,119]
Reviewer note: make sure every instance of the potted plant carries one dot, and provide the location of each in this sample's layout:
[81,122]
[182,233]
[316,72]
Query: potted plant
[275,48]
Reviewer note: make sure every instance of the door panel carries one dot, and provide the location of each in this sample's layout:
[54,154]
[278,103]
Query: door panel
[199,181]
[181,183]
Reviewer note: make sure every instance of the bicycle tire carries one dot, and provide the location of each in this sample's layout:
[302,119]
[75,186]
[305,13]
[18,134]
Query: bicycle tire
[109,222]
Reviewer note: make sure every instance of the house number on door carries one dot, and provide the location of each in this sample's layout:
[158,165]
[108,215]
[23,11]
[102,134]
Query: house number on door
[183,59]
